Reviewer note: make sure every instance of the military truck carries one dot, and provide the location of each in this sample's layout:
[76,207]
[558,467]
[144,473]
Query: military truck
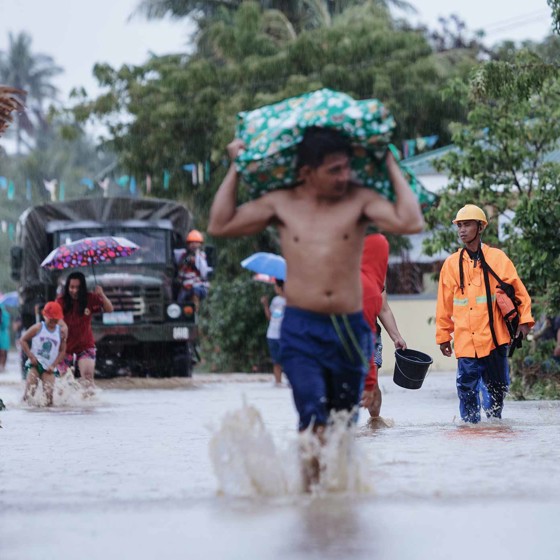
[148,333]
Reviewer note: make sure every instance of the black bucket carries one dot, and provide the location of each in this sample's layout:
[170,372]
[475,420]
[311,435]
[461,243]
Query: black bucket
[411,367]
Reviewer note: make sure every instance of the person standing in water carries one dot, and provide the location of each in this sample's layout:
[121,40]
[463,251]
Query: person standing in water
[321,223]
[467,313]
[275,313]
[79,306]
[375,261]
[44,344]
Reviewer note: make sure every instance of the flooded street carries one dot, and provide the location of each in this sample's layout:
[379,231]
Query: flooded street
[129,475]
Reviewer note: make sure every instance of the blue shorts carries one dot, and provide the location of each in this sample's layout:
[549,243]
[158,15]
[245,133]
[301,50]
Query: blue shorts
[274,349]
[326,373]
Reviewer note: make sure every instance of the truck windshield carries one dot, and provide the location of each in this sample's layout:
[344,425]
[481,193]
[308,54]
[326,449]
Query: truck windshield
[153,243]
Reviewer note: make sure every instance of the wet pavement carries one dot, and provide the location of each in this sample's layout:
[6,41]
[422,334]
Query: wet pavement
[129,474]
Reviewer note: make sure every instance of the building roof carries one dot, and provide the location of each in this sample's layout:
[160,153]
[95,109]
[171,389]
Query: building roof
[422,164]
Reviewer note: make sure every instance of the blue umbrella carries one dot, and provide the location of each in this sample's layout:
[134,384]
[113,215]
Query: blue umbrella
[10,299]
[266,263]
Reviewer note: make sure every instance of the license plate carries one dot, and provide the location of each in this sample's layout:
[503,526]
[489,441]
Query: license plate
[118,318]
[180,333]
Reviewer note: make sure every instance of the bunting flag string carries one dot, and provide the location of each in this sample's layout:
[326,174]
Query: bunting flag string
[200,172]
[132,186]
[11,190]
[123,181]
[87,182]
[411,147]
[166,177]
[51,188]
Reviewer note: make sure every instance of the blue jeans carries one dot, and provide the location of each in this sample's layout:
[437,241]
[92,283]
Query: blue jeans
[489,375]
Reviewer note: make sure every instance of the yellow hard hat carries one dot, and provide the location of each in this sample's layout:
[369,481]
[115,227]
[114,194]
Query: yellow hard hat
[471,212]
[195,236]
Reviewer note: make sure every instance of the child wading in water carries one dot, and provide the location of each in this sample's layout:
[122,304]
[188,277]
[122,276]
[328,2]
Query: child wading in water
[48,346]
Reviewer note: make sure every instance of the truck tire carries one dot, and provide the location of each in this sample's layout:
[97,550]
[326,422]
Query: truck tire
[183,361]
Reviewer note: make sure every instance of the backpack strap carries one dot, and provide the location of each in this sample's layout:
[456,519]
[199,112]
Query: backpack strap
[485,270]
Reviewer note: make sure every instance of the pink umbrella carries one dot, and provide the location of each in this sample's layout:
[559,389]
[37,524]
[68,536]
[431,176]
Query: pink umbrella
[88,252]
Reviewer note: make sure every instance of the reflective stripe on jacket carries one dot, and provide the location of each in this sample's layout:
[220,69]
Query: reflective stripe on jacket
[465,315]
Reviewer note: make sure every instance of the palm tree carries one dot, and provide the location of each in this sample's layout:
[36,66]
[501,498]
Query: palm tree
[22,69]
[302,14]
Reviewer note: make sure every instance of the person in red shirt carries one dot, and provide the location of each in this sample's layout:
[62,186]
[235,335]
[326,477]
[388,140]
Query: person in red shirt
[373,270]
[79,305]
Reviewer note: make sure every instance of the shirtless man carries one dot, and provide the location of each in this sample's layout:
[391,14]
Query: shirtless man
[321,223]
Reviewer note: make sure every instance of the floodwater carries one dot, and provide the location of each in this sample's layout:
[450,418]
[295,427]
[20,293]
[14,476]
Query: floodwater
[205,469]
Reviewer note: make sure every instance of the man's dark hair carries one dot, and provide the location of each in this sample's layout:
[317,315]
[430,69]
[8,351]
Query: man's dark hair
[319,143]
[279,283]
[82,293]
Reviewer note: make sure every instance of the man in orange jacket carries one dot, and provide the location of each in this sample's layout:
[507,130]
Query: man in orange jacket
[479,333]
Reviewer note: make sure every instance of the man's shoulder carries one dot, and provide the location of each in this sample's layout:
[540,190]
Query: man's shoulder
[495,254]
[453,258]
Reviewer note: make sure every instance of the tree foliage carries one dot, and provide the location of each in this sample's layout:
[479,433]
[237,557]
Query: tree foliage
[506,160]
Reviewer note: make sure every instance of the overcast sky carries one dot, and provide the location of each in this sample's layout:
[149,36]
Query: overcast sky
[79,33]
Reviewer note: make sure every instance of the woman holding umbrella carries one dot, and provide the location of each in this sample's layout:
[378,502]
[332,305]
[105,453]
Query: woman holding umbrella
[79,305]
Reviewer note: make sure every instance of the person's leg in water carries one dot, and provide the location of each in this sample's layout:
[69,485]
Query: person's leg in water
[31,382]
[469,371]
[48,387]
[495,381]
[326,375]
[375,408]
[86,366]
[274,350]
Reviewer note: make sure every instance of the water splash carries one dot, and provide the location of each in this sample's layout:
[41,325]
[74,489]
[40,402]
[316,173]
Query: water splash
[343,466]
[247,462]
[68,392]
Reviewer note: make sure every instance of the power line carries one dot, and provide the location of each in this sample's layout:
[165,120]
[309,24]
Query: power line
[522,17]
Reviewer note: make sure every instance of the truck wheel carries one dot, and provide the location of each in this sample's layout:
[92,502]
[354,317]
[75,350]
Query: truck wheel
[183,362]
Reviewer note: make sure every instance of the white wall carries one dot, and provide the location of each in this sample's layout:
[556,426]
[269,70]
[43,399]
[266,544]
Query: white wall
[412,315]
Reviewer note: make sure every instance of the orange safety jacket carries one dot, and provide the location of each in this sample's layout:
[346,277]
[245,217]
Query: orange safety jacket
[465,315]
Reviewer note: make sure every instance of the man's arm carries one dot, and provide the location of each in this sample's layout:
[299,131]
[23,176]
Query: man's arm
[105,301]
[405,215]
[26,338]
[62,349]
[444,314]
[229,220]
[389,322]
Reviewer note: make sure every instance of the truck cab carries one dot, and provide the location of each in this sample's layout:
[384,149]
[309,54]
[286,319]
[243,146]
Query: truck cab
[148,333]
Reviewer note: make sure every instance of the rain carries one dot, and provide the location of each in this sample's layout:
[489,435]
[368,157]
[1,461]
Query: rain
[186,446]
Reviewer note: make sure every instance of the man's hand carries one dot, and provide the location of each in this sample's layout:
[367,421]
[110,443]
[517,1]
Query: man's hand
[234,148]
[400,344]
[523,329]
[264,300]
[99,290]
[446,349]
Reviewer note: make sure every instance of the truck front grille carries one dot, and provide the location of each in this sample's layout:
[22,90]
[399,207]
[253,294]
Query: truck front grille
[145,303]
